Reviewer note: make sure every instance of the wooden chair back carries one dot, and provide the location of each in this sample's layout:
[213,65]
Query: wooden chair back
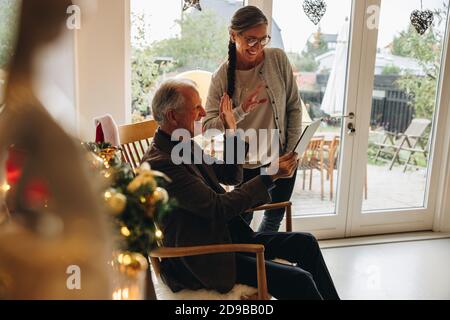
[334,151]
[135,139]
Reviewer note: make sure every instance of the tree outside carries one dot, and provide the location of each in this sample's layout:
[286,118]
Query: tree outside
[422,89]
[391,70]
[8,22]
[202,44]
[426,49]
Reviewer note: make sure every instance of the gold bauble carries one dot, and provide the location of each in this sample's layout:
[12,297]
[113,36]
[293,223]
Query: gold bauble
[95,161]
[160,195]
[108,154]
[158,234]
[142,179]
[130,263]
[116,201]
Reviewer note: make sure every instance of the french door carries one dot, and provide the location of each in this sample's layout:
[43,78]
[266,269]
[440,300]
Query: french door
[377,82]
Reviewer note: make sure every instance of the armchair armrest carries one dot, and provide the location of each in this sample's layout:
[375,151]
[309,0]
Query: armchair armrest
[278,205]
[170,252]
[271,206]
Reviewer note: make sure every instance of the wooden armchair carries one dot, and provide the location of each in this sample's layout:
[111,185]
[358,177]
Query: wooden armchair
[135,139]
[277,205]
[239,291]
[261,293]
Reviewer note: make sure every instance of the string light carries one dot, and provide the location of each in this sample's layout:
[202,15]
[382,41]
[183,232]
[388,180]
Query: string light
[158,234]
[126,259]
[125,231]
[5,187]
[107,195]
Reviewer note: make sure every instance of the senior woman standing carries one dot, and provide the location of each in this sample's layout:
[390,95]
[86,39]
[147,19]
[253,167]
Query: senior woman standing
[264,92]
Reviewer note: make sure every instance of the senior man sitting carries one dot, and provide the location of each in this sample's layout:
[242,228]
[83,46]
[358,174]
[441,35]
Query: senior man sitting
[207,214]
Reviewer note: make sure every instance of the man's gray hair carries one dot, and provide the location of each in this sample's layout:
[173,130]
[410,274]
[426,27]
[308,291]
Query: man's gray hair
[169,97]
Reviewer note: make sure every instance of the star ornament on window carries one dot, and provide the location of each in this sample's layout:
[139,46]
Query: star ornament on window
[192,3]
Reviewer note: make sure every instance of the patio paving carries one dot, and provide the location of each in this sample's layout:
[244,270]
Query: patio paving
[386,190]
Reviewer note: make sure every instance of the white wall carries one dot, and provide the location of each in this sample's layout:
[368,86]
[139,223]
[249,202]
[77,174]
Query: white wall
[54,80]
[442,220]
[103,79]
[445,222]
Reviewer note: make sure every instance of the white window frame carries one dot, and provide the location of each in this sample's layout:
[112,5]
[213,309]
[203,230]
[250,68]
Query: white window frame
[437,213]
[439,199]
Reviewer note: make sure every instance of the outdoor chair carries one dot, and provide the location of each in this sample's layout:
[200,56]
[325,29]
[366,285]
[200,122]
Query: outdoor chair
[411,141]
[312,159]
[330,160]
[331,163]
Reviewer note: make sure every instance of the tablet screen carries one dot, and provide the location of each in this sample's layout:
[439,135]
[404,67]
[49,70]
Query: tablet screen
[305,138]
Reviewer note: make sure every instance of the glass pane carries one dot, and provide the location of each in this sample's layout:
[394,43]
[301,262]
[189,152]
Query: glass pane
[167,41]
[8,28]
[318,54]
[407,73]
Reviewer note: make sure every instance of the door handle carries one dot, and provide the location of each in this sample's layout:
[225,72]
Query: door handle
[351,130]
[351,116]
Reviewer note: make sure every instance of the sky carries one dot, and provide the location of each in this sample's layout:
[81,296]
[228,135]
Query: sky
[289,15]
[296,27]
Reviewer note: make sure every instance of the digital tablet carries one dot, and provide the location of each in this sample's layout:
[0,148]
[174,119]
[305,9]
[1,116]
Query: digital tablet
[305,137]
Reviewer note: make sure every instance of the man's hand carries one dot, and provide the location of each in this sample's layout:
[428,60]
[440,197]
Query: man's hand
[287,166]
[226,113]
[251,102]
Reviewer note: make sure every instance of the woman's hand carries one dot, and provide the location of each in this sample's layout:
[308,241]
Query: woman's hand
[226,112]
[251,102]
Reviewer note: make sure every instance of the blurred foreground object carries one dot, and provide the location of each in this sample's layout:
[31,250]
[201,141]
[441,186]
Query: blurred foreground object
[136,204]
[60,250]
[130,276]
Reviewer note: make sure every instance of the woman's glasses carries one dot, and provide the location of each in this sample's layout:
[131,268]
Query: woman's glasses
[251,42]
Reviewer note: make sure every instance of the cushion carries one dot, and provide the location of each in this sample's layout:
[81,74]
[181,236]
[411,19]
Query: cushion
[163,292]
